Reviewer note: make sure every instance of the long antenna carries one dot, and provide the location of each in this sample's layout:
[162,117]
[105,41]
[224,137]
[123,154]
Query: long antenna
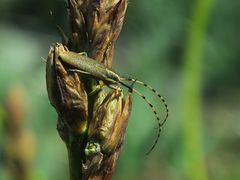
[160,124]
[153,109]
[155,92]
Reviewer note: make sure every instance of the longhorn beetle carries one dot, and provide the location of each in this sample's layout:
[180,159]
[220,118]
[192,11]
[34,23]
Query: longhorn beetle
[91,67]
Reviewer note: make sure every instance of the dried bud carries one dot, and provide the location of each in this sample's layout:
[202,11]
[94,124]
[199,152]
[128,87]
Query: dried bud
[104,122]
[67,94]
[95,26]
[107,130]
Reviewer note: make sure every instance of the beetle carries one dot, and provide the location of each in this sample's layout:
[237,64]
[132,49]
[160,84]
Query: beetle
[88,66]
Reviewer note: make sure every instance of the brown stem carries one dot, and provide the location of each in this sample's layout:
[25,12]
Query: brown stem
[92,126]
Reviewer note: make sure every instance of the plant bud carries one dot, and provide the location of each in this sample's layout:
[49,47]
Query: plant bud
[109,121]
[67,94]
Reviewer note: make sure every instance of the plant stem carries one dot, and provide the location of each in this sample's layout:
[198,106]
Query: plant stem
[194,165]
[92,126]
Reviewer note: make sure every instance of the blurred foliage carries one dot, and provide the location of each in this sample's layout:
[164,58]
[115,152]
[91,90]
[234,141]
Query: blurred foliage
[152,48]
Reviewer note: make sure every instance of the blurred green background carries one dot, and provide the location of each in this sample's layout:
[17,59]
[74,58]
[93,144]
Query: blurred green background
[188,50]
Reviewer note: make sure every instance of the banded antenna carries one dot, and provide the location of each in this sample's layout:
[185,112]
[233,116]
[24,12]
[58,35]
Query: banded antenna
[160,124]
